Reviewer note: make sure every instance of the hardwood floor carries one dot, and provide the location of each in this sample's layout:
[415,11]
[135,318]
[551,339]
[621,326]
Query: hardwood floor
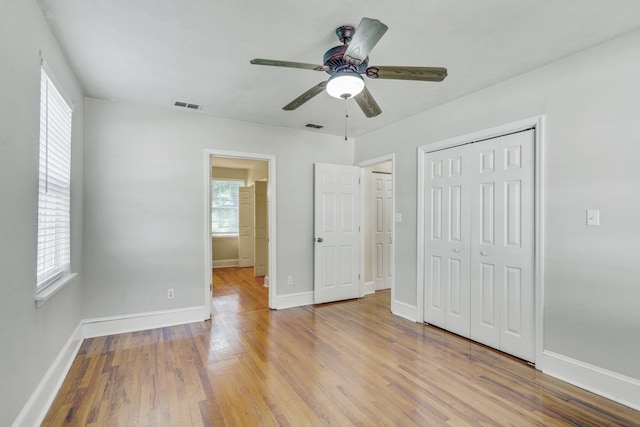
[339,364]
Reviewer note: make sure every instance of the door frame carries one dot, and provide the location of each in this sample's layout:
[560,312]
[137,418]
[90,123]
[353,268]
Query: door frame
[391,157]
[271,191]
[536,122]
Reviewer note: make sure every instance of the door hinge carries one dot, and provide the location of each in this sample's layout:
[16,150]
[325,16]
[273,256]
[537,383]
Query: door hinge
[210,287]
[358,277]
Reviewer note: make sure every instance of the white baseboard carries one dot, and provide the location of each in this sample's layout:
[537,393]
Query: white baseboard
[34,411]
[220,263]
[142,321]
[369,288]
[609,384]
[294,300]
[404,310]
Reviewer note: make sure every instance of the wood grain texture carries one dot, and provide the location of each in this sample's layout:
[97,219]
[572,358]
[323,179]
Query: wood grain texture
[340,364]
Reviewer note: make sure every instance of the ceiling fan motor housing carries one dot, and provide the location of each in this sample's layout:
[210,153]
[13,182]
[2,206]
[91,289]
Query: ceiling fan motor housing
[334,59]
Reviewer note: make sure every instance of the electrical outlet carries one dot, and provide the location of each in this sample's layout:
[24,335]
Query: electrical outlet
[170,293]
[290,280]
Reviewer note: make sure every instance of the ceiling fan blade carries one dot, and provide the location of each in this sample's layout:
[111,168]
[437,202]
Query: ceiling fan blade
[305,97]
[367,35]
[369,106]
[277,63]
[427,74]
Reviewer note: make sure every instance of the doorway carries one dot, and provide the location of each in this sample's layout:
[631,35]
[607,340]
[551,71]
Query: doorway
[240,221]
[378,219]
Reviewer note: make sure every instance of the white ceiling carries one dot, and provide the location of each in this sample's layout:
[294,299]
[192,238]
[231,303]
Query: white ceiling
[158,51]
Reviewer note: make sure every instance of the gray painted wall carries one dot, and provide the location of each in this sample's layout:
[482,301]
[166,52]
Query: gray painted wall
[592,147]
[144,202]
[31,337]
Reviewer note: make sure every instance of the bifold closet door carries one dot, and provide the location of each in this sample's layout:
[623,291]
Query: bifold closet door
[502,243]
[479,235]
[447,257]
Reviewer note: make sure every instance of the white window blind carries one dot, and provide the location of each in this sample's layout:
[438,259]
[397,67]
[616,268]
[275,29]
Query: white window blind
[224,206]
[54,195]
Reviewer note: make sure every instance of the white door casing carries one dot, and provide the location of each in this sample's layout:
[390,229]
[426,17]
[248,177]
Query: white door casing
[261,252]
[337,232]
[382,223]
[502,244]
[447,285]
[246,226]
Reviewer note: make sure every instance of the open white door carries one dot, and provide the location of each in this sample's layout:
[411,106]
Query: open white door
[382,212]
[337,233]
[246,225]
[261,253]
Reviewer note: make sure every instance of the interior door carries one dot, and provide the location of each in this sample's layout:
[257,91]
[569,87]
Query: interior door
[246,226]
[502,259]
[447,252]
[261,229]
[337,233]
[382,184]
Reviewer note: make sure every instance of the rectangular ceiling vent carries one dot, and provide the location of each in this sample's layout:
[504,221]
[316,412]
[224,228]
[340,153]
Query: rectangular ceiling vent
[314,126]
[187,105]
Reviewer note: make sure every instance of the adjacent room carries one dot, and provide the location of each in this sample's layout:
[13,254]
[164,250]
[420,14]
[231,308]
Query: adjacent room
[360,213]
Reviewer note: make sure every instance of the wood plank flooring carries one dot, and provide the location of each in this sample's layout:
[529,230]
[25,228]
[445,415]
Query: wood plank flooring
[339,364]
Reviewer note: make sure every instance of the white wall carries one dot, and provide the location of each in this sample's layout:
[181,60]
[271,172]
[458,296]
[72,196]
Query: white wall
[144,203]
[592,150]
[31,337]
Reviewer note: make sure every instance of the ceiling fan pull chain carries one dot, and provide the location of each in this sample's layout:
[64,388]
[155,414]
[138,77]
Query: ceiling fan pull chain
[346,117]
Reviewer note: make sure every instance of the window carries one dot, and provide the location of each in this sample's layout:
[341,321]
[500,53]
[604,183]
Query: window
[54,194]
[224,206]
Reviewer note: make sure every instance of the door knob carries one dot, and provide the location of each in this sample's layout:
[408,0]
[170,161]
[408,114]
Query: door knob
[456,250]
[484,253]
[319,239]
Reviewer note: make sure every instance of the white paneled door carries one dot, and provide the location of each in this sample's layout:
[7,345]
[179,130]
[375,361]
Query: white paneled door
[447,285]
[245,226]
[382,185]
[261,253]
[502,243]
[337,232]
[479,258]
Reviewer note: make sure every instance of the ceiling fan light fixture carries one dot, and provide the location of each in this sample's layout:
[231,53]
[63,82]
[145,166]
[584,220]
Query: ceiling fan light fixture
[345,85]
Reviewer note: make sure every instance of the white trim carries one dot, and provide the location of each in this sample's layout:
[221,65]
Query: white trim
[609,384]
[34,411]
[48,291]
[369,288]
[293,300]
[536,122]
[113,325]
[391,157]
[271,190]
[221,263]
[404,310]
[208,240]
[56,82]
[420,238]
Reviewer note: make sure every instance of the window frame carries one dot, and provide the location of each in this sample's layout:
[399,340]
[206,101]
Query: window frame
[215,234]
[53,256]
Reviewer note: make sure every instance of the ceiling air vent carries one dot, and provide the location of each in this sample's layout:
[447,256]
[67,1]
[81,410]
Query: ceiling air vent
[187,105]
[313,126]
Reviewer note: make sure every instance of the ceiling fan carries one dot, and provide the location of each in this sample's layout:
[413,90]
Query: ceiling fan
[347,64]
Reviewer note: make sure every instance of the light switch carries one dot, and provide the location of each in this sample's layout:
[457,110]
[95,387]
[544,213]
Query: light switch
[398,217]
[593,217]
